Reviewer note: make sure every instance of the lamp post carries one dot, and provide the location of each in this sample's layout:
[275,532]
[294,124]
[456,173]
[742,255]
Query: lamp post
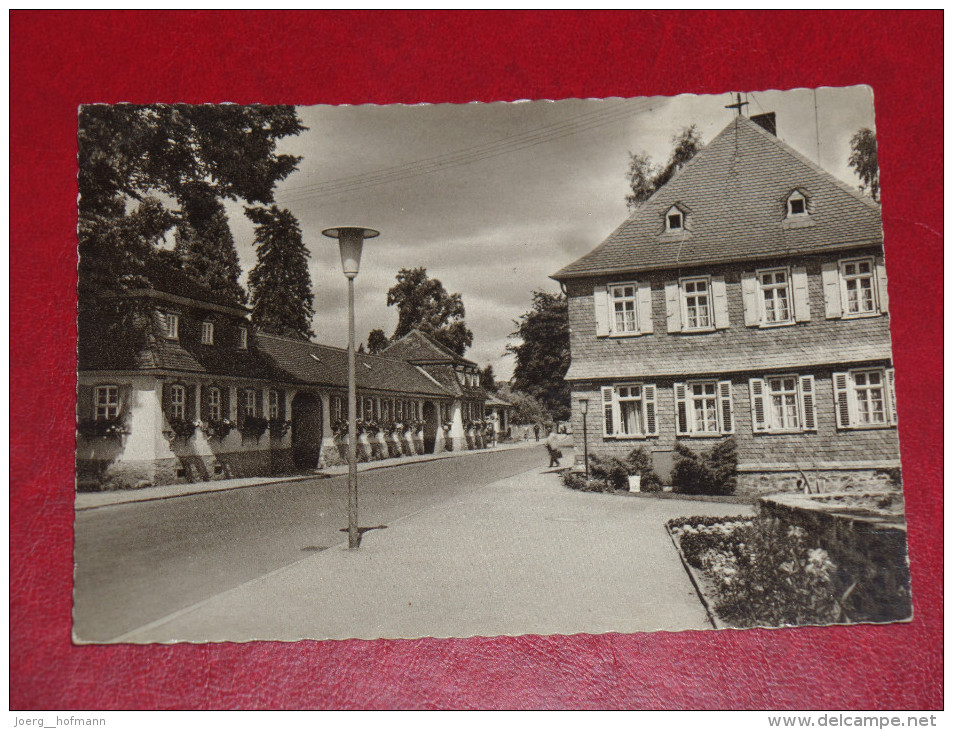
[351,241]
[584,407]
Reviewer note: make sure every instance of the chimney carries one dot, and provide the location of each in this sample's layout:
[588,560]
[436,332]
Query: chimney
[766,122]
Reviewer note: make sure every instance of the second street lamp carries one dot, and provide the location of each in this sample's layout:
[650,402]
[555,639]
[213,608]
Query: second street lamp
[351,241]
[584,407]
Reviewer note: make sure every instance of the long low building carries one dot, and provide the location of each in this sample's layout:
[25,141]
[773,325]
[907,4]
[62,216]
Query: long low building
[208,397]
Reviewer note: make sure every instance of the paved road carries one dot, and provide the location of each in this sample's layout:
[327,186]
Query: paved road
[137,563]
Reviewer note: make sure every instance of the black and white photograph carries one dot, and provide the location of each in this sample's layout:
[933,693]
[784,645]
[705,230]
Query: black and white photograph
[453,370]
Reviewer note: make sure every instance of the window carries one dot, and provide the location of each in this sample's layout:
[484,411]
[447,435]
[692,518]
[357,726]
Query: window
[273,410]
[629,411]
[208,333]
[696,303]
[797,204]
[177,402]
[623,308]
[337,408]
[674,219]
[214,399]
[106,402]
[865,398]
[857,287]
[704,408]
[399,413]
[782,403]
[249,403]
[775,296]
[242,338]
[171,322]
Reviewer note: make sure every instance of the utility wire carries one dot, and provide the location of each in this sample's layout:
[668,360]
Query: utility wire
[477,153]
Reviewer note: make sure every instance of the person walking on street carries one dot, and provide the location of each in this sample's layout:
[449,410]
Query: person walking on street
[536,430]
[554,453]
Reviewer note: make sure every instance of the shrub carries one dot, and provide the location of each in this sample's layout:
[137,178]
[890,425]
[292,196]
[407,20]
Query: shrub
[713,472]
[577,481]
[639,461]
[614,472]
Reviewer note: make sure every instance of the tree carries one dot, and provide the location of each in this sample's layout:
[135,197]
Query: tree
[179,153]
[139,168]
[488,380]
[542,358]
[376,341]
[645,178]
[204,245]
[863,158]
[424,304]
[526,409]
[281,297]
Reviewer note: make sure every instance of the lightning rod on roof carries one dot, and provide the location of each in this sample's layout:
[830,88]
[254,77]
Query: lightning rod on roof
[738,103]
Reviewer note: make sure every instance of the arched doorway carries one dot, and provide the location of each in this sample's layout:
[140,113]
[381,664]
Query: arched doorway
[306,430]
[430,427]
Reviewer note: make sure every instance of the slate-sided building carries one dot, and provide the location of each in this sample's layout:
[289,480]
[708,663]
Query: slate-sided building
[747,298]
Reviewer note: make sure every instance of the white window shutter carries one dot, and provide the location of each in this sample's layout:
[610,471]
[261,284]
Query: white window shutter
[758,421]
[645,308]
[830,275]
[802,302]
[673,307]
[883,299]
[749,296]
[809,422]
[600,298]
[719,295]
[727,407]
[681,410]
[842,400]
[891,396]
[651,422]
[608,410]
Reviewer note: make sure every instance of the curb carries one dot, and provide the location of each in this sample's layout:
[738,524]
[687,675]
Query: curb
[716,623]
[133,498]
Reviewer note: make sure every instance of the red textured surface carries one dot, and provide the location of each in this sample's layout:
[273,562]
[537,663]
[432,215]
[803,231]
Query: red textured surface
[61,59]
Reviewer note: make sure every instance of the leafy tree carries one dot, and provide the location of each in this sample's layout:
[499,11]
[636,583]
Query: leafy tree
[526,409]
[645,177]
[139,169]
[376,341]
[863,158]
[488,380]
[281,297]
[204,245]
[424,303]
[542,358]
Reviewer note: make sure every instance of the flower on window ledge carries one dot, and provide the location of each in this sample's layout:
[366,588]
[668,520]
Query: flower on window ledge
[252,427]
[182,428]
[217,428]
[278,427]
[102,428]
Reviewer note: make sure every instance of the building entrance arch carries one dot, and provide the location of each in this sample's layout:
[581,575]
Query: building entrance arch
[431,426]
[306,430]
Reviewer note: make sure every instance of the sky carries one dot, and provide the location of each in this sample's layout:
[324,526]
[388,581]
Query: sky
[493,198]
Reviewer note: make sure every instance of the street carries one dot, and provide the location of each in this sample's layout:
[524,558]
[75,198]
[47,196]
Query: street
[139,562]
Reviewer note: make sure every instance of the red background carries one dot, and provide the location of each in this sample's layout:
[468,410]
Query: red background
[62,59]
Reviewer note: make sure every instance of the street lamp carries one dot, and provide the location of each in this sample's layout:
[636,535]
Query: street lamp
[351,241]
[584,407]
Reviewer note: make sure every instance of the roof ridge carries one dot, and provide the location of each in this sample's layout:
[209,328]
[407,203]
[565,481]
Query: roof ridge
[311,343]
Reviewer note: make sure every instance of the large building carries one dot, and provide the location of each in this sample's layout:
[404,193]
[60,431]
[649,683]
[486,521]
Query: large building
[208,397]
[747,298]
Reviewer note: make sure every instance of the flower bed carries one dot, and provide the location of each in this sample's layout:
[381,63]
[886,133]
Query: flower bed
[762,572]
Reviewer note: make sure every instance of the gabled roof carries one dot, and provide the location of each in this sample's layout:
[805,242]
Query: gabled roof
[735,189]
[315,364]
[418,347]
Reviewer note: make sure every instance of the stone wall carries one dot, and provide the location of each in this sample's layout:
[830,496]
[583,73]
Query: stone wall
[869,549]
[821,481]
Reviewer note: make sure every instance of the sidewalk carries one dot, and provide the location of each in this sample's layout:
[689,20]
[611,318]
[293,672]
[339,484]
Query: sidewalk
[523,555]
[91,500]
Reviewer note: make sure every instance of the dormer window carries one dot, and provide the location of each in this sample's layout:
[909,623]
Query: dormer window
[674,220]
[208,333]
[242,338]
[171,322]
[797,204]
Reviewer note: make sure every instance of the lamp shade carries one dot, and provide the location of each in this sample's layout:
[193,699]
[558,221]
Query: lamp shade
[584,405]
[350,241]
